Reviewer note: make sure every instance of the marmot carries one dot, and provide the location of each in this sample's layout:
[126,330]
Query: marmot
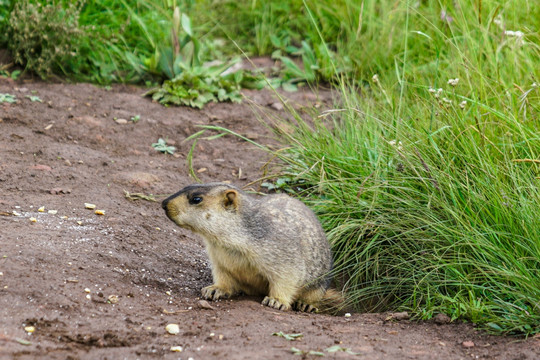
[272,246]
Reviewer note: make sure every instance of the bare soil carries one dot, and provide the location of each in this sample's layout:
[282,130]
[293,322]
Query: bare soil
[105,286]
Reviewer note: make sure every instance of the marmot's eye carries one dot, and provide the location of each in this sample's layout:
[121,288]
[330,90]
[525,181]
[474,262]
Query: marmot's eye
[195,200]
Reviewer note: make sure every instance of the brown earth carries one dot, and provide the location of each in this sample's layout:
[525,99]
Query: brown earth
[97,287]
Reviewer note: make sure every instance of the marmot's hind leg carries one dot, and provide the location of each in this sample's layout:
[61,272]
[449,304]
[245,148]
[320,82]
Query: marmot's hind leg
[309,300]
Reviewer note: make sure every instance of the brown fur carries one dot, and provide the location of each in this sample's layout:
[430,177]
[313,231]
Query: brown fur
[272,246]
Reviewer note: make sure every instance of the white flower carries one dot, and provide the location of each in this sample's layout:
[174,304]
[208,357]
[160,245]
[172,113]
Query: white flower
[398,143]
[517,34]
[375,78]
[435,93]
[447,100]
[453,82]
[463,104]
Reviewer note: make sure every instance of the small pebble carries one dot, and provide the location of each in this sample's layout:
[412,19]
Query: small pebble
[441,319]
[33,219]
[203,304]
[89,206]
[41,209]
[172,329]
[176,348]
[29,329]
[348,315]
[400,316]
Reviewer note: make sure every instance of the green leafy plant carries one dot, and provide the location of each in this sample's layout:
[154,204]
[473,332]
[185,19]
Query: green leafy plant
[5,73]
[161,146]
[183,51]
[190,81]
[292,74]
[8,98]
[196,86]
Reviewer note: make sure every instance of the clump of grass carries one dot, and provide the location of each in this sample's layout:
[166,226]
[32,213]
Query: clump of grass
[428,186]
[101,41]
[43,38]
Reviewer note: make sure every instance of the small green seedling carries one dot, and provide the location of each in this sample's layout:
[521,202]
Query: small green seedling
[8,98]
[34,98]
[337,348]
[296,351]
[135,118]
[139,196]
[290,337]
[162,146]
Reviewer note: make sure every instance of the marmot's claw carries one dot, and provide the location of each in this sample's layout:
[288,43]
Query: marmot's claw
[213,292]
[273,303]
[301,306]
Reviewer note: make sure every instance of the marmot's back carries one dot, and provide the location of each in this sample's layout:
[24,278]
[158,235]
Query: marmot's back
[273,245]
[292,233]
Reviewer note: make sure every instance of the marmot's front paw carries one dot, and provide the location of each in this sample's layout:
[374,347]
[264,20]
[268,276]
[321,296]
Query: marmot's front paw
[213,292]
[273,303]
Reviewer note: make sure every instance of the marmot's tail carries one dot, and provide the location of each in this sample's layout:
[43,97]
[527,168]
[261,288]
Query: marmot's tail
[333,302]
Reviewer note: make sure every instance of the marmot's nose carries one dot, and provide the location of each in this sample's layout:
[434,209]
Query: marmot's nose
[164,204]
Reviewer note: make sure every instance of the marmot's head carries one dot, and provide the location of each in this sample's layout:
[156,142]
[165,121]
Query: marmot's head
[203,208]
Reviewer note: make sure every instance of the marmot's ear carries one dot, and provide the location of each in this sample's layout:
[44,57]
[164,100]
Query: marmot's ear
[231,199]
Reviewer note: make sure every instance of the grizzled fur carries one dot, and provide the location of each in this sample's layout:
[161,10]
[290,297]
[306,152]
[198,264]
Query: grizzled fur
[272,246]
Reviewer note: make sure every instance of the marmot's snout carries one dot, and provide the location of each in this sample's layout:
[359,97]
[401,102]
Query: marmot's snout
[164,203]
[169,208]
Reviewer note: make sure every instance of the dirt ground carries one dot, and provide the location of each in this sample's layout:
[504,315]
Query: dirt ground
[105,287]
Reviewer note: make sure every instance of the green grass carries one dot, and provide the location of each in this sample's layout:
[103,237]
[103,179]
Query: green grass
[431,198]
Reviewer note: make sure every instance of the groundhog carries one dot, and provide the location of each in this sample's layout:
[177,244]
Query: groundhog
[272,245]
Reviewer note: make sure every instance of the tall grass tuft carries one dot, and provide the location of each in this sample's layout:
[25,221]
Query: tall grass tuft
[427,180]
